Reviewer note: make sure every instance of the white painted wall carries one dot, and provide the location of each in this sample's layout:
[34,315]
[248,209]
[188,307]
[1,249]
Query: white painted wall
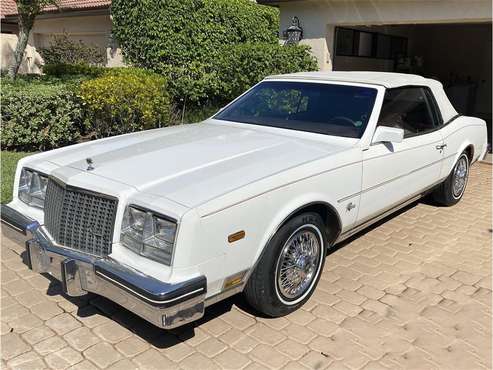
[319,17]
[91,29]
[32,61]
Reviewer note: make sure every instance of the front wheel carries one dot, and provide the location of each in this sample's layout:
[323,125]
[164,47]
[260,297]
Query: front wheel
[452,189]
[289,270]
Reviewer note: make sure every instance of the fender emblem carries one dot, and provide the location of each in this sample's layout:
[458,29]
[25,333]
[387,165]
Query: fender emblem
[89,164]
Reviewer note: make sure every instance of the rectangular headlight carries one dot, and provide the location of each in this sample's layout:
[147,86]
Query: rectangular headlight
[32,188]
[148,234]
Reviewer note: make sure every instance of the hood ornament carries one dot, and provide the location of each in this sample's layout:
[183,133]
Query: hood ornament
[89,164]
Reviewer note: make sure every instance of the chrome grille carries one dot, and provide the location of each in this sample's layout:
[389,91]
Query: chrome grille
[80,219]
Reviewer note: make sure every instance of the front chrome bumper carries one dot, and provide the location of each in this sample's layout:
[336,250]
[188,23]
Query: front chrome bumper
[164,305]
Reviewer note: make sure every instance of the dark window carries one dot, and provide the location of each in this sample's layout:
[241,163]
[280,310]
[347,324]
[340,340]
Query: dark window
[409,108]
[384,43]
[355,43]
[338,110]
[345,41]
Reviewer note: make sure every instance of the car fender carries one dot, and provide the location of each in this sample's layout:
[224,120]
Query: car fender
[289,209]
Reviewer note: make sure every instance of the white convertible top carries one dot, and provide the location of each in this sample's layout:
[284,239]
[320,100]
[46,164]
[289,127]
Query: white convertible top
[388,80]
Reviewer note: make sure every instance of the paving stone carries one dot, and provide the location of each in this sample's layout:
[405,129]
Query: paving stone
[17,287]
[112,332]
[90,316]
[50,345]
[245,344]
[5,328]
[12,346]
[102,354]
[27,361]
[370,292]
[13,312]
[152,359]
[83,365]
[466,277]
[25,323]
[402,295]
[300,333]
[238,319]
[348,308]
[328,313]
[269,356]
[292,349]
[316,360]
[211,347]
[81,339]
[266,335]
[63,358]
[131,346]
[38,334]
[46,310]
[231,359]
[178,351]
[63,323]
[198,361]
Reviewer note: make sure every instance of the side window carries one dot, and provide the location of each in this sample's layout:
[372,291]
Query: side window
[409,108]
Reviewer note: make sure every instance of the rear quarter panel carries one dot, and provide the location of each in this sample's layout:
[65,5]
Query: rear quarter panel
[459,134]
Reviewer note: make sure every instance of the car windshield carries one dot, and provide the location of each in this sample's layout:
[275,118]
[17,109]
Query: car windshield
[330,109]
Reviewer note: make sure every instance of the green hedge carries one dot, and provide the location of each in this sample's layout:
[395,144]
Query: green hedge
[40,116]
[154,34]
[62,70]
[243,65]
[126,100]
[46,112]
[190,42]
[63,49]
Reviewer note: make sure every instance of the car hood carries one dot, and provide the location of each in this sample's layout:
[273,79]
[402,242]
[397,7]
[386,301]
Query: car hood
[191,164]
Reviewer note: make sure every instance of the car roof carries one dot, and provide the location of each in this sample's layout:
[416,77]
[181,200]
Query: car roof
[386,79]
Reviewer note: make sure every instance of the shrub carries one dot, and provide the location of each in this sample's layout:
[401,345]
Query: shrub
[65,69]
[243,65]
[184,40]
[126,100]
[63,49]
[39,116]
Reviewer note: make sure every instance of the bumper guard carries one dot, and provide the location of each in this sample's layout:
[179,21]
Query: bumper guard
[164,305]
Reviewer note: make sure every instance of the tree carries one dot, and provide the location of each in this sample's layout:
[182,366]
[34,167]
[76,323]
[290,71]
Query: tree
[27,11]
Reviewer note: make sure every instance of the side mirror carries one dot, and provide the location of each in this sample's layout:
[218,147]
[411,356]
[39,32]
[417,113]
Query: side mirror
[384,134]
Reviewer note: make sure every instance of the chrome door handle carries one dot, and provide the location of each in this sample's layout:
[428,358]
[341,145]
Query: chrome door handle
[441,147]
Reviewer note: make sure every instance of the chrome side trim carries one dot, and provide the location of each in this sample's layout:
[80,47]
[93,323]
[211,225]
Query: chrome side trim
[393,179]
[375,218]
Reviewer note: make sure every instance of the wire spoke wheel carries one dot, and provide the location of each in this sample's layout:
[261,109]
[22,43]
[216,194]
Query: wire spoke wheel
[298,263]
[460,177]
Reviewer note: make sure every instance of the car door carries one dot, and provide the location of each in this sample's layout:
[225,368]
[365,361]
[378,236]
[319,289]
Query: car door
[395,172]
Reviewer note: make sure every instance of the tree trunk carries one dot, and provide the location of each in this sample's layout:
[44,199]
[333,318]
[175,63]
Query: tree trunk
[25,26]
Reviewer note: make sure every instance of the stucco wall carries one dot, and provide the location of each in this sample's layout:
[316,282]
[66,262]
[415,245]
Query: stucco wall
[318,18]
[31,62]
[91,29]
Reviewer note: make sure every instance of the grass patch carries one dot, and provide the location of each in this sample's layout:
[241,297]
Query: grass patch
[9,163]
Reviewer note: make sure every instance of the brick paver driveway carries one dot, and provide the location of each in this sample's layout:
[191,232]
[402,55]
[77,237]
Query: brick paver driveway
[413,292]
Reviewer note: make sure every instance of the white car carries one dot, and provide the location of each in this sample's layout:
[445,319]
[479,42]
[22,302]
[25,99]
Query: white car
[168,221]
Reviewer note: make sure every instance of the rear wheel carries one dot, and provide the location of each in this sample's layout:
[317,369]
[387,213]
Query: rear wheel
[289,270]
[452,189]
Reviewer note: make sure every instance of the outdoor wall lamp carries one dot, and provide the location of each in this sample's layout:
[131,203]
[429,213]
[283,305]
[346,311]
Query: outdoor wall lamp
[294,33]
